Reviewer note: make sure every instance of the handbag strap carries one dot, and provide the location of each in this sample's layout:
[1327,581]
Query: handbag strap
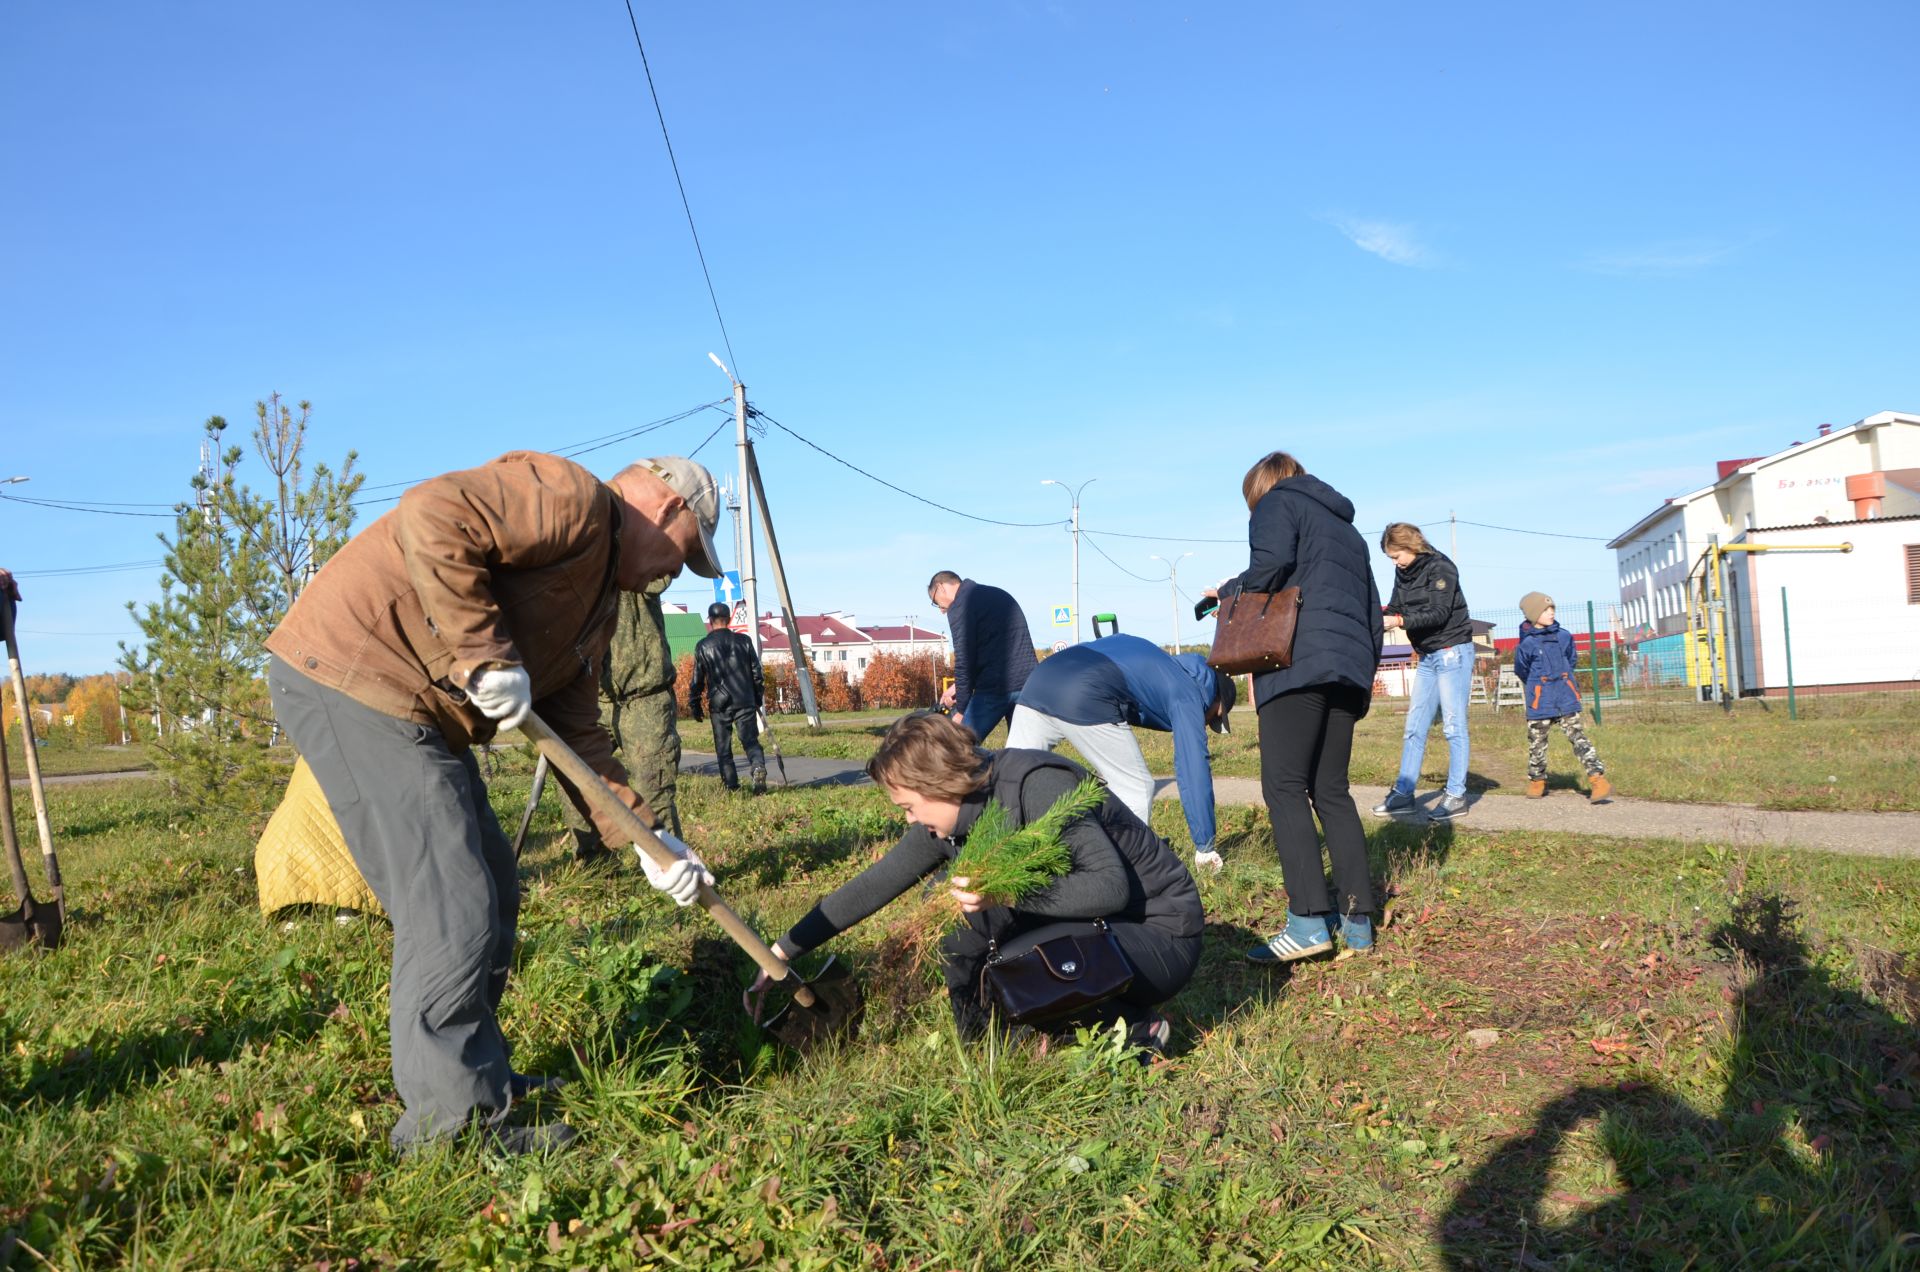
[993,945]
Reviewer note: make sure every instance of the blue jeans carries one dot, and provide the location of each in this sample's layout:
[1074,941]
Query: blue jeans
[985,711]
[1442,683]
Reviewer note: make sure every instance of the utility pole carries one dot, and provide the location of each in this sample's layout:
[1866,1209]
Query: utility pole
[1073,493]
[1173,591]
[1453,531]
[744,542]
[732,496]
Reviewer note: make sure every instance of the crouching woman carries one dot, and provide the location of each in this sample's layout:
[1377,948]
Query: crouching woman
[933,769]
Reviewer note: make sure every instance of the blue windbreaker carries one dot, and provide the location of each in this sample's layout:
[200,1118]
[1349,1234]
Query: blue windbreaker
[1545,661]
[1123,679]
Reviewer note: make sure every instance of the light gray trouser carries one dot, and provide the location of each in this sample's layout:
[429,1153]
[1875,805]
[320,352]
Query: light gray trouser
[416,819]
[1109,748]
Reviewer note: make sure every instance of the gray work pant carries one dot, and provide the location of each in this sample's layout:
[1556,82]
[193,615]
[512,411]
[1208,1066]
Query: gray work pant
[415,817]
[1111,750]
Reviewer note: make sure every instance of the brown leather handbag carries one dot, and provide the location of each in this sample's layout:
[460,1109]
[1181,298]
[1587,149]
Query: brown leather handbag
[1255,631]
[1056,978]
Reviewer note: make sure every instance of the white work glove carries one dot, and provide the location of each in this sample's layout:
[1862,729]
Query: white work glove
[504,694]
[683,878]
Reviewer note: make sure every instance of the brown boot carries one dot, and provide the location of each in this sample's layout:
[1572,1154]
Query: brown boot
[1537,788]
[1599,788]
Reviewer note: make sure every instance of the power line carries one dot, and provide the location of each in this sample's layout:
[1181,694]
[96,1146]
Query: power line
[1123,569]
[1158,538]
[698,251]
[846,463]
[103,511]
[116,567]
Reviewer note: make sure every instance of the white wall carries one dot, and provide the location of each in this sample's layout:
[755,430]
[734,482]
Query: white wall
[1851,622]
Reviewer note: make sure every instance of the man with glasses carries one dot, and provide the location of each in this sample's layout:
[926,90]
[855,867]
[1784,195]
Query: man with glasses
[483,595]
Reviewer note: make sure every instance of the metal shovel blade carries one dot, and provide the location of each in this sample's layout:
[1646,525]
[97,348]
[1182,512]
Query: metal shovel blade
[28,925]
[834,1012]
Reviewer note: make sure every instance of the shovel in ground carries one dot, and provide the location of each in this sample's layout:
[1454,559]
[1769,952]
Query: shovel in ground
[766,731]
[29,923]
[828,1005]
[32,923]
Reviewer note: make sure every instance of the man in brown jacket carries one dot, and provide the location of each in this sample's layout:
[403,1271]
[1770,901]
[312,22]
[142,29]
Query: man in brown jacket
[484,594]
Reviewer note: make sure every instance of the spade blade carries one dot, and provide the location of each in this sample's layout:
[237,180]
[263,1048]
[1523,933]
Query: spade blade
[835,1011]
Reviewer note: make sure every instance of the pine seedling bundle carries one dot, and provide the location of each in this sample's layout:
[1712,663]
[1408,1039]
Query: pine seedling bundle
[1002,862]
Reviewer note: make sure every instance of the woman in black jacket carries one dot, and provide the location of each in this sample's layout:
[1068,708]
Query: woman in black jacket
[933,769]
[1427,604]
[1302,535]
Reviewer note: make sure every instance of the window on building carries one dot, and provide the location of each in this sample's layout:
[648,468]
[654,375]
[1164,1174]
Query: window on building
[1913,574]
[860,662]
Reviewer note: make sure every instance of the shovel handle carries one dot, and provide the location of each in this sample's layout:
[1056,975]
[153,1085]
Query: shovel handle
[34,782]
[601,796]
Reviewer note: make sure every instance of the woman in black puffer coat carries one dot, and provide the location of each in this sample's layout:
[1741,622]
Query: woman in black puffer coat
[1302,535]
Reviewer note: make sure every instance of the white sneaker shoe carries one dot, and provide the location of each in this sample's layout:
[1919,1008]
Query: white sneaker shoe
[1208,861]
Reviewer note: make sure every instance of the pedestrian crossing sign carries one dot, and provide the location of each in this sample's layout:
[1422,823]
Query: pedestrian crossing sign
[1063,616]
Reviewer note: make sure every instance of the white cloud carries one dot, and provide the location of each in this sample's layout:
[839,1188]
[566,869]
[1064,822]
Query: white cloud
[1675,257]
[1392,243]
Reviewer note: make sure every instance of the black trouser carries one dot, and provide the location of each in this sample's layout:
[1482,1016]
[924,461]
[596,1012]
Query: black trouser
[748,723]
[1162,964]
[1306,741]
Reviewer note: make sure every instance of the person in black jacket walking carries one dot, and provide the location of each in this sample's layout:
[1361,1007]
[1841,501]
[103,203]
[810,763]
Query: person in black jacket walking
[992,650]
[1302,535]
[727,674]
[1427,604]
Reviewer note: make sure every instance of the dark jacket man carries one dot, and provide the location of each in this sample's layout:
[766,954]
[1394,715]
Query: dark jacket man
[1426,594]
[727,675]
[1302,535]
[992,649]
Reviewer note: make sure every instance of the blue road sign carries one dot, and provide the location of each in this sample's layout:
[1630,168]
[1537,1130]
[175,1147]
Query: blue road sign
[726,588]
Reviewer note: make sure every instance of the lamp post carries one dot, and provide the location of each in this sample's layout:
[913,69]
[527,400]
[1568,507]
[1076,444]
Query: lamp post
[13,481]
[1073,493]
[1173,591]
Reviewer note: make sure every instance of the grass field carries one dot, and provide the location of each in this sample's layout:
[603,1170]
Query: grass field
[1825,760]
[58,761]
[1698,1058]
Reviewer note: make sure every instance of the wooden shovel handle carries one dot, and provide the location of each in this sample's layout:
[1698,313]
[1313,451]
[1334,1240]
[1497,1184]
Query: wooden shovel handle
[601,796]
[35,783]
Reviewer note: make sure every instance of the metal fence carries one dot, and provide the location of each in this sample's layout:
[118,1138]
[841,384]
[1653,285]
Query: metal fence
[1814,661]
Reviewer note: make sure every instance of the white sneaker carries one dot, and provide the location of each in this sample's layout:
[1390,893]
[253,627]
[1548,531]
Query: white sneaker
[1209,861]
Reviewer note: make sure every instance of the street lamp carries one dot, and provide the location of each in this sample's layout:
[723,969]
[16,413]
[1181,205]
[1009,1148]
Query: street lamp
[1073,493]
[1173,591]
[13,481]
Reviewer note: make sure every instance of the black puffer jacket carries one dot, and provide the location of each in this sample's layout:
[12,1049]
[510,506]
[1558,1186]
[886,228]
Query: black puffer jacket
[1121,870]
[1302,535]
[726,674]
[1427,595]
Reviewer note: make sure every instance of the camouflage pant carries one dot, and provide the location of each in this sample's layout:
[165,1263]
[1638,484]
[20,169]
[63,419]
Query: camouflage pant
[646,742]
[1582,746]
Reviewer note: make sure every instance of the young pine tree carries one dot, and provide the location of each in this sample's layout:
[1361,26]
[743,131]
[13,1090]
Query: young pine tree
[236,560]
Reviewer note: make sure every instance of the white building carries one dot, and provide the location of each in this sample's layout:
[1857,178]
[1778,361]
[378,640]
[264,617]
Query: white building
[1807,493]
[834,642]
[1853,617]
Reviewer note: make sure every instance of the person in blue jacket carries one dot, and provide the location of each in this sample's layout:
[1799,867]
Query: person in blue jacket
[992,650]
[1089,694]
[1545,662]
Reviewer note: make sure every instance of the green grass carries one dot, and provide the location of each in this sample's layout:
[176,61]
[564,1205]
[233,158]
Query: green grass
[1828,759]
[58,761]
[1682,1074]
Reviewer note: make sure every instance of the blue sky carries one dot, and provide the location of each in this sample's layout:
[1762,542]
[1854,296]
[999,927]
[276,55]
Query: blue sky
[1535,265]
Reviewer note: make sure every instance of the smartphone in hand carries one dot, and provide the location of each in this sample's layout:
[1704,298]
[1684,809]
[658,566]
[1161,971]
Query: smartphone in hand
[1205,606]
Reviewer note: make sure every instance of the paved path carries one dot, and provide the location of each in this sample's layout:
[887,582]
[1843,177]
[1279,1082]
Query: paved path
[1855,834]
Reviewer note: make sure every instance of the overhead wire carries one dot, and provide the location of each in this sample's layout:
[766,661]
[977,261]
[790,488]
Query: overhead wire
[688,207]
[847,463]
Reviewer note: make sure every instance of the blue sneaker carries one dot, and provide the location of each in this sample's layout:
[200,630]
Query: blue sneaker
[1394,805]
[1356,933]
[1303,938]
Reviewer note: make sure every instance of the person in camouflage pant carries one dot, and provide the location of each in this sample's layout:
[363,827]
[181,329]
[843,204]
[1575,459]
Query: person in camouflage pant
[636,703]
[1544,660]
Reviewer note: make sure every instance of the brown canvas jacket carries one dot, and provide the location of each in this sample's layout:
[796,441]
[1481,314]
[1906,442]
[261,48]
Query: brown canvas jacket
[507,564]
